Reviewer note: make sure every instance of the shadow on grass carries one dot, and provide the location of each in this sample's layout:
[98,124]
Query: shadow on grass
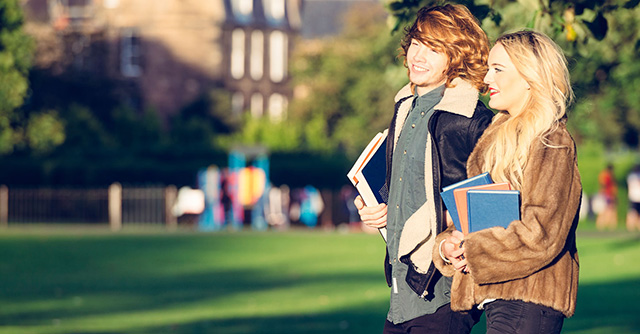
[45,279]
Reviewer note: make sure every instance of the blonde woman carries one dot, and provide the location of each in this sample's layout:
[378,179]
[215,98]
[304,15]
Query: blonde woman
[524,276]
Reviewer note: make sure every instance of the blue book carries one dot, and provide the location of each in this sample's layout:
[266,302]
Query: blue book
[375,173]
[369,174]
[450,201]
[489,208]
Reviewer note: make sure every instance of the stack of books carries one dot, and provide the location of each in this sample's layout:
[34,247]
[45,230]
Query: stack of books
[478,203]
[369,174]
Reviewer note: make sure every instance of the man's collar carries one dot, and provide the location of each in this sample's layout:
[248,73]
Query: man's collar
[460,99]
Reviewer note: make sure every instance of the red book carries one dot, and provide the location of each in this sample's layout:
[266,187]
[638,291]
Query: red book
[460,196]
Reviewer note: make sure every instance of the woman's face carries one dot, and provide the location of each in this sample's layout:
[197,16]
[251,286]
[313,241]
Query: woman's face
[507,88]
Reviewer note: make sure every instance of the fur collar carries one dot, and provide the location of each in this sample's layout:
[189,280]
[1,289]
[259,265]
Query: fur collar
[460,99]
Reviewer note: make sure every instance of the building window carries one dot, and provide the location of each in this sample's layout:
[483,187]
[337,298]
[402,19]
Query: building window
[130,53]
[70,13]
[257,54]
[111,4]
[277,55]
[237,53]
[237,103]
[274,11]
[257,105]
[277,106]
[242,10]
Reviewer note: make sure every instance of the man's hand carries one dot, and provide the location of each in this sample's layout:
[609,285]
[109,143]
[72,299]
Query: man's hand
[372,216]
[453,250]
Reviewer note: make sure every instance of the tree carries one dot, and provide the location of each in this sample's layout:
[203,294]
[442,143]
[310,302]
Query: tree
[602,42]
[576,21]
[344,85]
[15,60]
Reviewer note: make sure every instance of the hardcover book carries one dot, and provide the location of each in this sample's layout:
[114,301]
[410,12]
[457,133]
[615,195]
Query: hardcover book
[460,196]
[489,208]
[449,199]
[369,173]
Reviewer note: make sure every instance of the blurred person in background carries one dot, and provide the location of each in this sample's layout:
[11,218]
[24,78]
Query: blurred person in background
[437,121]
[633,185]
[525,276]
[608,217]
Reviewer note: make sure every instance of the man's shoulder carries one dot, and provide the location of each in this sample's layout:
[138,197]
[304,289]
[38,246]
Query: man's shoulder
[480,113]
[403,93]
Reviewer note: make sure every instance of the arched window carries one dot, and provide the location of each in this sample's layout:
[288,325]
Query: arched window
[277,106]
[242,10]
[237,53]
[257,105]
[257,54]
[278,47]
[274,11]
[237,103]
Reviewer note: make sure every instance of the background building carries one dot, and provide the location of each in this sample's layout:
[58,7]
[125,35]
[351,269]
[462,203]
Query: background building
[165,54]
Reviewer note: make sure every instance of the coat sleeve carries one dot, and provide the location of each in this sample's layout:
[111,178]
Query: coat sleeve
[446,269]
[550,200]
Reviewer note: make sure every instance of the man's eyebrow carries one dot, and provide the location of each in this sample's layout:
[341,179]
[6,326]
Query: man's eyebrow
[496,64]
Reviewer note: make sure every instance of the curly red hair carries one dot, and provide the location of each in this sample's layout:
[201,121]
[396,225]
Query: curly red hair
[454,31]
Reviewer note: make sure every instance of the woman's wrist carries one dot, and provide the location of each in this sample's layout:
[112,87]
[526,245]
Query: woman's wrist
[442,255]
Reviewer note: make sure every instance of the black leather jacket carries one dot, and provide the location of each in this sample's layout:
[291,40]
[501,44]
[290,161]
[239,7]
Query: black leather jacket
[454,137]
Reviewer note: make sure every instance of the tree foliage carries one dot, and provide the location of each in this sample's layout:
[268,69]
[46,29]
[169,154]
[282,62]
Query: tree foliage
[601,40]
[345,84]
[15,60]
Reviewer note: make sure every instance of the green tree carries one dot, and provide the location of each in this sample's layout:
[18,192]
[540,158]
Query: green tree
[345,84]
[601,40]
[15,60]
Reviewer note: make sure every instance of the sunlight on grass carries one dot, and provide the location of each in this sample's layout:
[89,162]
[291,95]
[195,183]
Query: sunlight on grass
[237,283]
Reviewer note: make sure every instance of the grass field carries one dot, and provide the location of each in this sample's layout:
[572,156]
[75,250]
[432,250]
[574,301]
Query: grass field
[92,281]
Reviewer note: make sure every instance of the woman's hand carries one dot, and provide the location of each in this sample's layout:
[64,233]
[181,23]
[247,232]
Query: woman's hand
[372,216]
[453,250]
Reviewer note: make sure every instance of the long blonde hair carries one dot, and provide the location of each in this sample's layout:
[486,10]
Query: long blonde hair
[543,66]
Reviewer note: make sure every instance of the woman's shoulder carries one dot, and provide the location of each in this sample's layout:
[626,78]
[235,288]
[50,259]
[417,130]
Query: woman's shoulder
[559,135]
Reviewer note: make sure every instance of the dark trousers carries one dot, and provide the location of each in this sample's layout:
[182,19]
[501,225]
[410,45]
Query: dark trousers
[444,321]
[516,316]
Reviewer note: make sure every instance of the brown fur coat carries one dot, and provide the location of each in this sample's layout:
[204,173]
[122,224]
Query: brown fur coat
[535,258]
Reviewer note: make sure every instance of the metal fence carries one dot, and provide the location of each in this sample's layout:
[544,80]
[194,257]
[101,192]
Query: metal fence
[116,204]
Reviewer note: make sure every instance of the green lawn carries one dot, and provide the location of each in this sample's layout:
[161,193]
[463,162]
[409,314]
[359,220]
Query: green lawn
[92,281]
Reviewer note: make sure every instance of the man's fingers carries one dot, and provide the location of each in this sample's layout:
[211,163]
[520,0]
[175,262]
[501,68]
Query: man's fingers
[358,202]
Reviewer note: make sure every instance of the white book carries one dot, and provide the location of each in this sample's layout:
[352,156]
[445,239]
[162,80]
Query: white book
[369,172]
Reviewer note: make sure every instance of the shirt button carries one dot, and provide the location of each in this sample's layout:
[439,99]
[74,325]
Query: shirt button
[422,113]
[413,125]
[397,206]
[400,179]
[405,151]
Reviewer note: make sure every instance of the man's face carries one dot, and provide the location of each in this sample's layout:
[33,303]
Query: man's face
[426,67]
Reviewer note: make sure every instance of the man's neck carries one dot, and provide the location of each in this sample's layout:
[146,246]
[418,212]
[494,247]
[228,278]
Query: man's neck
[421,90]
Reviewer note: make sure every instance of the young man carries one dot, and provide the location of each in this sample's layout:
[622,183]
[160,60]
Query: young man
[436,124]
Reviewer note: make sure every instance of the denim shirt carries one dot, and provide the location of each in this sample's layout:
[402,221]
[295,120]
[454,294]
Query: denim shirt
[407,194]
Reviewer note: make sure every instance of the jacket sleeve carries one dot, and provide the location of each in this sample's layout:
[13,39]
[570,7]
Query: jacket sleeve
[446,269]
[480,121]
[550,201]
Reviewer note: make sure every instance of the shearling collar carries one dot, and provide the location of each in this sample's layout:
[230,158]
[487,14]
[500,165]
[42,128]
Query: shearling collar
[460,99]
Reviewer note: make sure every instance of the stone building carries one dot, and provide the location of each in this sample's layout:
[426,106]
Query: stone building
[165,54]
